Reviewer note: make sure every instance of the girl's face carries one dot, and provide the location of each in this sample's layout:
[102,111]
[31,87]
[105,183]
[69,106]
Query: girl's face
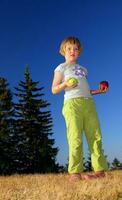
[71,53]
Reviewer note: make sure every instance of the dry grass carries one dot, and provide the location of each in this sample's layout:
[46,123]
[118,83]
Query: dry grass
[58,187]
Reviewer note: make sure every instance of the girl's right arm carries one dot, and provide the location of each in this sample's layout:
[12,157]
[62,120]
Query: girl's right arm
[58,85]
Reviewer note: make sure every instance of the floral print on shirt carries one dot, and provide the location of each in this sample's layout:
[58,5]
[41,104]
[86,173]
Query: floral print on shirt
[79,71]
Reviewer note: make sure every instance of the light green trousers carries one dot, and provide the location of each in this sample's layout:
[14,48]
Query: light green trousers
[80,115]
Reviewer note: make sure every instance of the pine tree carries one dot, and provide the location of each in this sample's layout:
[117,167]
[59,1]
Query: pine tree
[116,164]
[35,150]
[87,164]
[6,127]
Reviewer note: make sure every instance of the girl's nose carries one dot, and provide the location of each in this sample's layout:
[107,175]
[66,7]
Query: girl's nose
[72,50]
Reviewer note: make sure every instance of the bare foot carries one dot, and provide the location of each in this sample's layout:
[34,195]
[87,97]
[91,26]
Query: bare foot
[75,177]
[95,175]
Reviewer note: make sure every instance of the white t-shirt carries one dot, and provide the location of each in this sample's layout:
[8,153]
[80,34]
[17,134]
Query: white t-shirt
[75,70]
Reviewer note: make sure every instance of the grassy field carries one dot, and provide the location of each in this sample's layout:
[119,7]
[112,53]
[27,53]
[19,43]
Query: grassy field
[58,187]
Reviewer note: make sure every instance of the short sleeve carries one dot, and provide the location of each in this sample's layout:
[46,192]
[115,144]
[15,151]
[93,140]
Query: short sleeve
[60,69]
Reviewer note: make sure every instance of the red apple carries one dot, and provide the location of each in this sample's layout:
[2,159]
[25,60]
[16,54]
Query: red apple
[104,85]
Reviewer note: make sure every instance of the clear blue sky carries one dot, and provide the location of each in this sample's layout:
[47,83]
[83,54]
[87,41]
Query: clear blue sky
[31,32]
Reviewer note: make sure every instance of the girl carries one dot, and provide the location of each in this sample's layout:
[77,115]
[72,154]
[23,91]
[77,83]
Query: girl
[79,111]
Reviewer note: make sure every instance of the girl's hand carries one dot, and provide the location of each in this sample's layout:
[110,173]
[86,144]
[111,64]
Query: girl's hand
[103,90]
[71,82]
[70,85]
[99,91]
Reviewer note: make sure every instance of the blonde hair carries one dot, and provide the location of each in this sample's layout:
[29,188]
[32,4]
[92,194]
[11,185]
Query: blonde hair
[71,40]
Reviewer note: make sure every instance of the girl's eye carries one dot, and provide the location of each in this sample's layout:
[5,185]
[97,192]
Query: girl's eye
[74,49]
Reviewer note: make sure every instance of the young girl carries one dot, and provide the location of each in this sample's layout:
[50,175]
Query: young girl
[79,111]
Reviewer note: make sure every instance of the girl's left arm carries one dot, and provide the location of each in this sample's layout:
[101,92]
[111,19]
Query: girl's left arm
[99,91]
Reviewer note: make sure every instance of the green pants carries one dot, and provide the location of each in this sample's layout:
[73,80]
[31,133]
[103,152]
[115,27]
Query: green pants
[80,115]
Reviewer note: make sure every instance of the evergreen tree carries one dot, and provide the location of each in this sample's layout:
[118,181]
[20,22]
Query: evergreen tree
[116,164]
[35,150]
[87,164]
[6,127]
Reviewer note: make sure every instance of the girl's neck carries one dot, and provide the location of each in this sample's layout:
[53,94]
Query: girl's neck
[70,63]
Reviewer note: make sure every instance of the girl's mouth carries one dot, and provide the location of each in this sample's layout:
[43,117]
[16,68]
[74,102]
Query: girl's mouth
[72,55]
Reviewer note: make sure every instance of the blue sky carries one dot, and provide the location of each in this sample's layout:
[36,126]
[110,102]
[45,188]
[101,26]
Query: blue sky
[31,32]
